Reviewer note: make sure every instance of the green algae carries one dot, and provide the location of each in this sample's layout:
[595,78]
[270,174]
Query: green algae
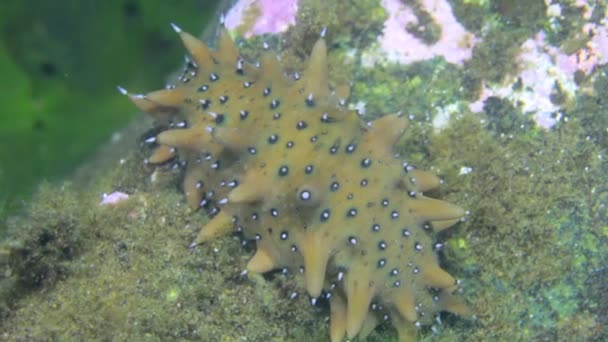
[495,57]
[124,271]
[426,29]
[351,27]
[592,109]
[526,229]
[520,14]
[417,89]
[565,30]
[504,118]
[503,26]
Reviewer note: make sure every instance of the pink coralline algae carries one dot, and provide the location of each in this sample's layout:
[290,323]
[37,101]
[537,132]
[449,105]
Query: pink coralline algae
[259,17]
[540,67]
[113,198]
[585,59]
[455,43]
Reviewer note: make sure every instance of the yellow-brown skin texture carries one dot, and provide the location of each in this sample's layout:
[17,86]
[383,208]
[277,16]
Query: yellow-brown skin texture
[282,160]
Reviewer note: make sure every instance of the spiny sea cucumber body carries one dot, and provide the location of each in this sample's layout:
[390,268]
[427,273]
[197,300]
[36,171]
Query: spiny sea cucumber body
[282,160]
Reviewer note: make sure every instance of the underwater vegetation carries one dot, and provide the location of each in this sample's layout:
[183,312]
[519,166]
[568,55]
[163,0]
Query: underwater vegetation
[517,132]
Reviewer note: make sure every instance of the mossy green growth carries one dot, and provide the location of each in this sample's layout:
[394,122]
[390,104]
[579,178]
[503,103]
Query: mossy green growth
[472,14]
[361,20]
[566,29]
[502,27]
[528,15]
[494,57]
[426,28]
[533,234]
[416,89]
[504,118]
[593,110]
[351,26]
[125,272]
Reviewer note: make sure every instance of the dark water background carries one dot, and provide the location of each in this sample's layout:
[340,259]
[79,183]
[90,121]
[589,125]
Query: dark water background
[60,63]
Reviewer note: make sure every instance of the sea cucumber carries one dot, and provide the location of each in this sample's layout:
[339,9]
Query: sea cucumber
[282,160]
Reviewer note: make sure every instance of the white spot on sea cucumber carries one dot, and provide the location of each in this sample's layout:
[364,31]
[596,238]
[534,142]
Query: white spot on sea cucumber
[359,107]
